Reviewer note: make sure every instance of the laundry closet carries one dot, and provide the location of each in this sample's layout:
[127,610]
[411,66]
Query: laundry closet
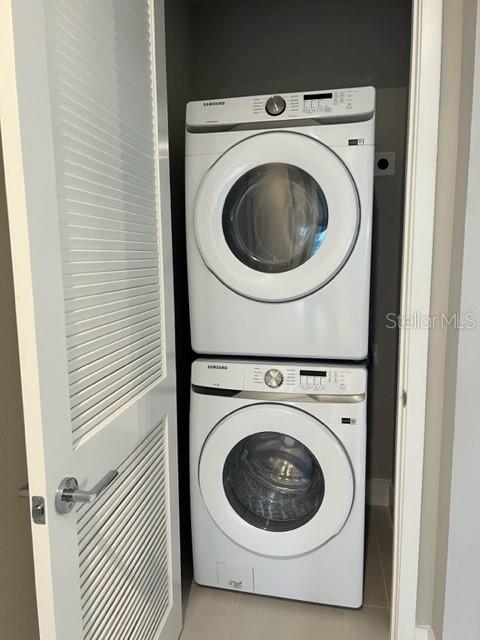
[214,50]
[220,50]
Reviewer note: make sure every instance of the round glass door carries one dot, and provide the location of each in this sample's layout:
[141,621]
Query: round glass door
[273,481]
[275,217]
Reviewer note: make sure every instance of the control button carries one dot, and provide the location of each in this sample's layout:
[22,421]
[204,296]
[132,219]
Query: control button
[273,378]
[275,106]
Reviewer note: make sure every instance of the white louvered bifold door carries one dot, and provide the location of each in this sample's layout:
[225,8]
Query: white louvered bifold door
[84,131]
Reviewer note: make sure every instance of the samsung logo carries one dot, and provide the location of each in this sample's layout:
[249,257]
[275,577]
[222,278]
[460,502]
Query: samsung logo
[217,366]
[214,103]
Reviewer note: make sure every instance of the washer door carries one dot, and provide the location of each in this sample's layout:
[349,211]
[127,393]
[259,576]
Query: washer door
[277,216]
[276,480]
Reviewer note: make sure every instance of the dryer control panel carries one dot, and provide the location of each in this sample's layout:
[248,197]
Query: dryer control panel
[309,378]
[355,104]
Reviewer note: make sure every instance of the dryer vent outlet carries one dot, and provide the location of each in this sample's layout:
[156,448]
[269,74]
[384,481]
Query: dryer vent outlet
[385,163]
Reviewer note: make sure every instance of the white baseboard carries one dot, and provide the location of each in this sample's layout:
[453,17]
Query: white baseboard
[424,633]
[380,493]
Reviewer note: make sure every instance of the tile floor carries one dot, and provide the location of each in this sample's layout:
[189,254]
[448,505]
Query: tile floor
[214,614]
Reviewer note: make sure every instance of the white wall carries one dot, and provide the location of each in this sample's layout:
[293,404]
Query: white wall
[462,593]
[435,433]
[454,143]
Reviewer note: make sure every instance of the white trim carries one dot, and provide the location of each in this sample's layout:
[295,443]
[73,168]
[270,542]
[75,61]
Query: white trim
[416,290]
[379,492]
[424,633]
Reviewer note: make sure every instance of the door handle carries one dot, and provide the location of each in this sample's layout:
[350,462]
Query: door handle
[68,492]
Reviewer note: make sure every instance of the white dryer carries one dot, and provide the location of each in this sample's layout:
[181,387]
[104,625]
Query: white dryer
[277,468]
[279,214]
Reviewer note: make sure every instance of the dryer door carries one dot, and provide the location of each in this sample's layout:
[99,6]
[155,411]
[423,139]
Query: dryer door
[276,480]
[277,216]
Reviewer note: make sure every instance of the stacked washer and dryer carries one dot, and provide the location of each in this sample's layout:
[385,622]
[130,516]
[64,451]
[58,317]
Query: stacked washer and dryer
[279,196]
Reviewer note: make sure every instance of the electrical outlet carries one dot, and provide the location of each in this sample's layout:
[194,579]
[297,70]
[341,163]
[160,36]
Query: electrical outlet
[385,163]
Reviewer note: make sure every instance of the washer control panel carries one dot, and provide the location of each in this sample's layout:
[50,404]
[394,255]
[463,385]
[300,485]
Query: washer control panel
[309,379]
[295,379]
[356,104]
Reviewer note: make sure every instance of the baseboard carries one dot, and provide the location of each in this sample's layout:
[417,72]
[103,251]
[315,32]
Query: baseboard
[380,493]
[424,633]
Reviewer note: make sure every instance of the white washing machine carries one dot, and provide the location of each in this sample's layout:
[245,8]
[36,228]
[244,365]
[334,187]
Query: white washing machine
[279,214]
[277,468]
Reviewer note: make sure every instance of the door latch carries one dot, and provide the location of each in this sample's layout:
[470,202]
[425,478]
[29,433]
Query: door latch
[38,505]
[38,509]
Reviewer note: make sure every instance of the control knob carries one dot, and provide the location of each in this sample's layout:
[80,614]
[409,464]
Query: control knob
[275,106]
[273,378]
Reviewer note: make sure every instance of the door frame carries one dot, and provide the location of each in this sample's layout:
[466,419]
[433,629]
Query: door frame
[420,187]
[415,296]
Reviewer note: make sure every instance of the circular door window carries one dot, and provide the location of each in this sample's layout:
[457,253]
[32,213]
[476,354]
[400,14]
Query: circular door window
[275,217]
[273,481]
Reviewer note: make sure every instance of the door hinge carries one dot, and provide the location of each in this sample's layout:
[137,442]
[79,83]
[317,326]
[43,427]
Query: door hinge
[404,398]
[38,505]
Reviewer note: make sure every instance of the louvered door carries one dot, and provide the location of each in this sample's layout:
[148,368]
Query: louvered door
[83,98]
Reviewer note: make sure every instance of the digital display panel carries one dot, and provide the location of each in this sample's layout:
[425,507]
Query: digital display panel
[320,374]
[318,96]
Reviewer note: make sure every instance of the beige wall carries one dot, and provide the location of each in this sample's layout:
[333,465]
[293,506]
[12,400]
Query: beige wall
[455,111]
[18,619]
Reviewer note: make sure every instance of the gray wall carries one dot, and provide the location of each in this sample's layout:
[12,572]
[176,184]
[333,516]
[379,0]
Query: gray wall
[453,157]
[245,47]
[18,614]
[391,124]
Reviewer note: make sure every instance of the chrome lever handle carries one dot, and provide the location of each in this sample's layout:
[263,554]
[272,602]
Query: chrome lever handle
[68,492]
